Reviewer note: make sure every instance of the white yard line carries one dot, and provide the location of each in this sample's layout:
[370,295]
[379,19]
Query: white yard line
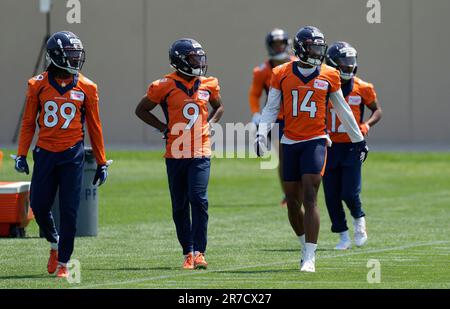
[193,273]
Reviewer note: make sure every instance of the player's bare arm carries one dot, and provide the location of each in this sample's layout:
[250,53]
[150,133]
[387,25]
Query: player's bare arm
[143,111]
[217,110]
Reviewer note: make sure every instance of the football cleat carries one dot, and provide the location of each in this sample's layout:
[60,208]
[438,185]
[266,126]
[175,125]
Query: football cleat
[344,244]
[200,261]
[52,261]
[310,46]
[188,261]
[360,232]
[308,266]
[188,57]
[62,272]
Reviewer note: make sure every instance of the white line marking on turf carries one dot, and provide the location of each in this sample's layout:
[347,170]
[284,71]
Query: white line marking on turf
[262,265]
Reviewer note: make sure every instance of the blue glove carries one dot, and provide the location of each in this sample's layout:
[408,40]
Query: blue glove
[101,174]
[362,149]
[21,165]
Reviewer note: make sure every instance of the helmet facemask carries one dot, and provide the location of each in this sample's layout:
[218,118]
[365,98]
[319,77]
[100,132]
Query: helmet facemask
[278,50]
[312,53]
[69,58]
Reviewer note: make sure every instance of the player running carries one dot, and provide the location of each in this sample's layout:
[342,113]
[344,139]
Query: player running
[277,45]
[184,96]
[303,88]
[61,99]
[342,179]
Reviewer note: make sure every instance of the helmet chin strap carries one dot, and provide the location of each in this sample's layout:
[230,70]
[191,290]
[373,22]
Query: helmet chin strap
[310,64]
[346,76]
[71,71]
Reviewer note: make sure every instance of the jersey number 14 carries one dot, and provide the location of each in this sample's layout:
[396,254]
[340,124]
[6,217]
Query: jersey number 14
[306,106]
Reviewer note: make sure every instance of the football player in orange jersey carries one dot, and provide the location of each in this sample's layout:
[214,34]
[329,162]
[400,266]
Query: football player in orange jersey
[277,44]
[184,96]
[61,99]
[342,179]
[303,88]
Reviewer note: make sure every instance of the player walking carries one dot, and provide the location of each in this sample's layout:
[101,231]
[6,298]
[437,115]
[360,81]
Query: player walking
[184,96]
[342,179]
[61,99]
[303,88]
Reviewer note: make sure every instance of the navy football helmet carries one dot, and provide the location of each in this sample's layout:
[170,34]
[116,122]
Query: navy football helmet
[342,56]
[188,57]
[278,52]
[65,51]
[310,46]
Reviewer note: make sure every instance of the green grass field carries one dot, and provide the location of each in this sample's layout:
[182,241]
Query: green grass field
[250,245]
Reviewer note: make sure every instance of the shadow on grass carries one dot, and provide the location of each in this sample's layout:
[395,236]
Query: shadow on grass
[19,277]
[266,271]
[293,250]
[131,268]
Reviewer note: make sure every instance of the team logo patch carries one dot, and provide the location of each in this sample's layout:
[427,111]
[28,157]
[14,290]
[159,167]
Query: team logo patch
[203,95]
[354,100]
[77,95]
[321,84]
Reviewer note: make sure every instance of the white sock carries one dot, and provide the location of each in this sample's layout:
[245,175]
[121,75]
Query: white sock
[196,252]
[54,245]
[62,264]
[310,249]
[302,240]
[344,236]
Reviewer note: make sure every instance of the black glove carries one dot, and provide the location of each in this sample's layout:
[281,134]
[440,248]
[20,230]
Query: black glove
[362,149]
[21,165]
[101,174]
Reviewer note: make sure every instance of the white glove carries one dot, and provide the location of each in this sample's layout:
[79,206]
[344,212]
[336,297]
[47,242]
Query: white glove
[260,145]
[256,119]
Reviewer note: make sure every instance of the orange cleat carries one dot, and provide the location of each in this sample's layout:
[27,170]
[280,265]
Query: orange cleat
[63,272]
[189,261]
[199,261]
[52,261]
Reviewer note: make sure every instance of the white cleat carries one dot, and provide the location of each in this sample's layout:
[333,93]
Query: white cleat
[308,266]
[344,244]
[360,231]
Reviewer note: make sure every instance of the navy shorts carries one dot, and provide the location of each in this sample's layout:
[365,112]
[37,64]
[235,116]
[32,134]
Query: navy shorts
[304,158]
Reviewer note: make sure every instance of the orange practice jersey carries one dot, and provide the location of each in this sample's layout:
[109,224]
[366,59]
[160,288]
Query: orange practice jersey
[305,99]
[358,94]
[262,75]
[185,105]
[61,112]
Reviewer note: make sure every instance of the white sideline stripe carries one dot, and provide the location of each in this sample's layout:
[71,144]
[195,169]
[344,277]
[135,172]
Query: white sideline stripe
[263,265]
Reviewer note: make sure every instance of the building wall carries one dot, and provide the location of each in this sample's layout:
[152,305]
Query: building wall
[127,42]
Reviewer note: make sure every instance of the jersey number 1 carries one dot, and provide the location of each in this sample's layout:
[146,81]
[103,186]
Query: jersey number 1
[306,106]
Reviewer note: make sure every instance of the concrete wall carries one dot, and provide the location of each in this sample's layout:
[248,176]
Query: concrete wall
[127,41]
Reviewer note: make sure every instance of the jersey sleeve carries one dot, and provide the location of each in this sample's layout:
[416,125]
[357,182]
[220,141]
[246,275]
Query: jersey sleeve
[29,118]
[213,88]
[368,93]
[94,124]
[256,89]
[334,78]
[276,77]
[157,90]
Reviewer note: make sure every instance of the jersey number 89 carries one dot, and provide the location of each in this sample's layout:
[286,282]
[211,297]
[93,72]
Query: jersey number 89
[51,114]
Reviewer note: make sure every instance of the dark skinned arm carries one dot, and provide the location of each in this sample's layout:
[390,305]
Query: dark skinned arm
[376,113]
[217,110]
[143,111]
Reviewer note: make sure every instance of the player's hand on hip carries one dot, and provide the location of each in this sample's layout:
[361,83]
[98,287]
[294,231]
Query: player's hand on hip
[362,149]
[101,174]
[21,164]
[260,145]
[364,127]
[256,118]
